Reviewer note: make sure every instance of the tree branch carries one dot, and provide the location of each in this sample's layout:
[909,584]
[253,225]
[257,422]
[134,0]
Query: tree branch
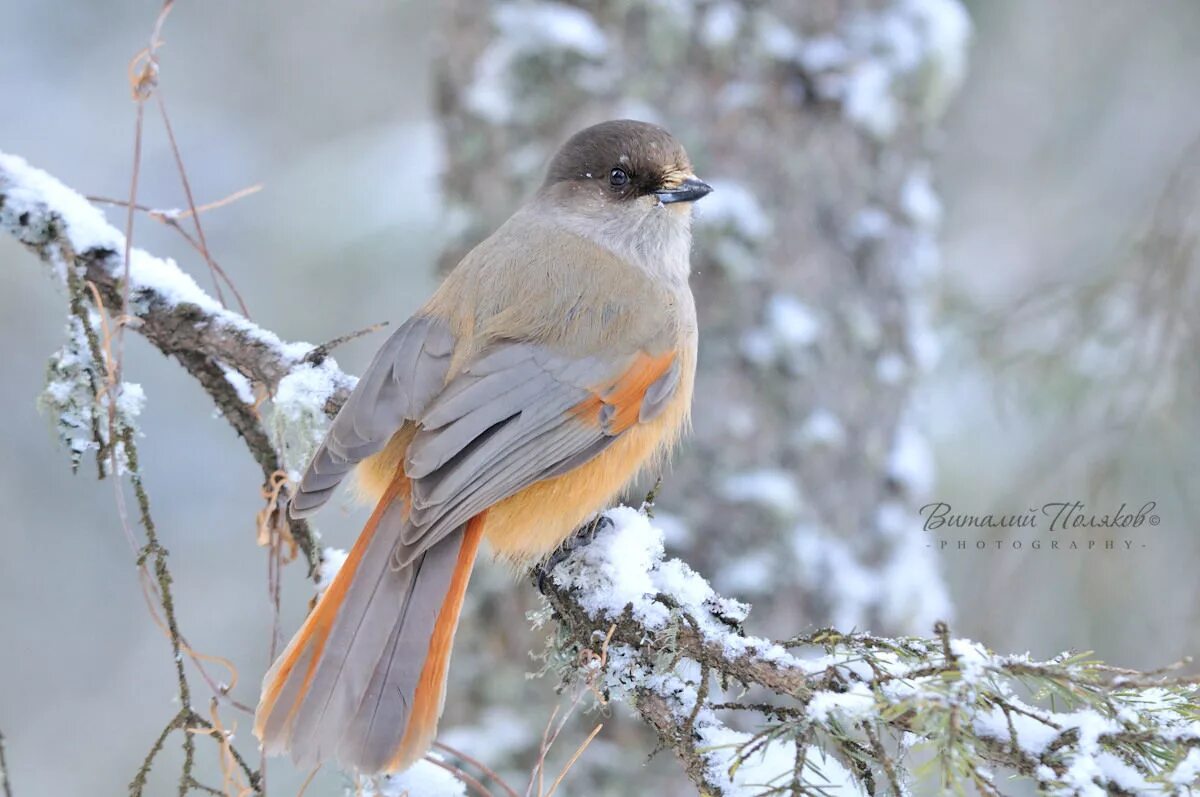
[167,309]
[828,708]
[674,646]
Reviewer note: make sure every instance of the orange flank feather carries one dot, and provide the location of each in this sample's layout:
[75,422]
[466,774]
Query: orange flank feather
[525,527]
[313,634]
[625,394]
[431,688]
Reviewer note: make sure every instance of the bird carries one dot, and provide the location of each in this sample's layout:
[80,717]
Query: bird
[554,363]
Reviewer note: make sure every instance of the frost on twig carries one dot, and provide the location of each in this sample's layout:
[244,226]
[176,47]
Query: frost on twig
[824,713]
[850,713]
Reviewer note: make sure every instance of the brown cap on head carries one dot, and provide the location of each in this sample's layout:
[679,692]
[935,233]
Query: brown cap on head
[629,159]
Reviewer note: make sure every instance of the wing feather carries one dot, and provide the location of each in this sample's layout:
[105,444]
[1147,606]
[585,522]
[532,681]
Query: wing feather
[406,373]
[520,414]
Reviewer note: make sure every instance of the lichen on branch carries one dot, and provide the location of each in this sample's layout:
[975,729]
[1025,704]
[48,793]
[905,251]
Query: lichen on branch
[169,310]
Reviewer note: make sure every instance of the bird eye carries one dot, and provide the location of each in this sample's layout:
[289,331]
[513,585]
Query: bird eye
[617,178]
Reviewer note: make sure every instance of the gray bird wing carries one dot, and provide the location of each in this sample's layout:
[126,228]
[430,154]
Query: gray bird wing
[407,372]
[519,414]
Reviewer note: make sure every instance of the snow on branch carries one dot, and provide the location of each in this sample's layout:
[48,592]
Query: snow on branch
[824,713]
[848,713]
[223,350]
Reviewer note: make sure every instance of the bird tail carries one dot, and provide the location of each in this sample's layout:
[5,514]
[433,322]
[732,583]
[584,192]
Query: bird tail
[364,679]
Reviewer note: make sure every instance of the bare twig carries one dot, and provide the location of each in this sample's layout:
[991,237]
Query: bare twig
[143,79]
[574,757]
[163,215]
[463,777]
[319,353]
[218,273]
[482,767]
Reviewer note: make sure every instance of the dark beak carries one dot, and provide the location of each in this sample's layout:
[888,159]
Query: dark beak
[689,190]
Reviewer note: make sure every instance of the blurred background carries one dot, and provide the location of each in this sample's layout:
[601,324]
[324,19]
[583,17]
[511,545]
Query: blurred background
[972,287]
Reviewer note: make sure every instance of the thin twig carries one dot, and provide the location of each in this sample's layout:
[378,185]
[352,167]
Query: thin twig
[574,757]
[882,757]
[154,548]
[172,219]
[307,781]
[138,785]
[463,777]
[5,781]
[319,353]
[475,762]
[164,215]
[548,738]
[537,775]
[143,81]
[196,720]
[218,273]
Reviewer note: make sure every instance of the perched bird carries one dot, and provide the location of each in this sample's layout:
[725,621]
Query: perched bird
[555,362]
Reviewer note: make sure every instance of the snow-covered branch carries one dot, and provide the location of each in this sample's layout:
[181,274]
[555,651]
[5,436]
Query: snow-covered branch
[228,354]
[848,713]
[825,713]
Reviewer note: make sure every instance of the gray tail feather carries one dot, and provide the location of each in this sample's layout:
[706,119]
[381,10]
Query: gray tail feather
[369,652]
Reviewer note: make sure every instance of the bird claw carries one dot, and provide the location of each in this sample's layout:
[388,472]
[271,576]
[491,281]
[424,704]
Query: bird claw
[582,536]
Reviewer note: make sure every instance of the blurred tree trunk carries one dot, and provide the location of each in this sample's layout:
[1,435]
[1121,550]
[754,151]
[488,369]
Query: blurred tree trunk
[800,483]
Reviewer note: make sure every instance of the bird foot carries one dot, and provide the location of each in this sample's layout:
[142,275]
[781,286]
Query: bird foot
[579,538]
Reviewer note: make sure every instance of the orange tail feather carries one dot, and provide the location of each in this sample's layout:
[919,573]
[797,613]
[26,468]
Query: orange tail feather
[364,679]
[431,689]
[313,634]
